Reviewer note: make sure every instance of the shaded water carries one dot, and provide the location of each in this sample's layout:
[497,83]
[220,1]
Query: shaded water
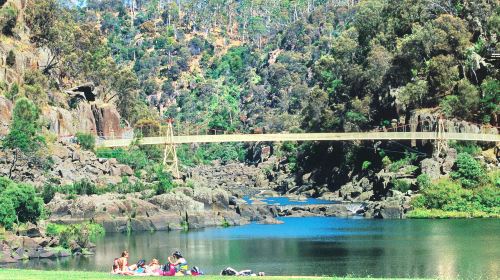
[466,249]
[283,201]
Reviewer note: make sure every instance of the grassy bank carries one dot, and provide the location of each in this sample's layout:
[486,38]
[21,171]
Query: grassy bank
[15,274]
[441,214]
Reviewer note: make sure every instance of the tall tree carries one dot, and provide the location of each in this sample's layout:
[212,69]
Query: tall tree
[23,138]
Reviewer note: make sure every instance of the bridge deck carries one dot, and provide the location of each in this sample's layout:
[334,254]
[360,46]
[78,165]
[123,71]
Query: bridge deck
[343,136]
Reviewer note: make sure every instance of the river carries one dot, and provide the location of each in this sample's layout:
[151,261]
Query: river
[464,248]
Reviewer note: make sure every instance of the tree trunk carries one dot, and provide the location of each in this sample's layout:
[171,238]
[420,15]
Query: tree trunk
[13,164]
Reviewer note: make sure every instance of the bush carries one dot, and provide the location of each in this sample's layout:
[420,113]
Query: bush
[48,192]
[7,214]
[83,234]
[18,203]
[468,171]
[446,195]
[401,185]
[8,19]
[85,140]
[488,197]
[11,59]
[366,164]
[423,181]
[163,180]
[84,187]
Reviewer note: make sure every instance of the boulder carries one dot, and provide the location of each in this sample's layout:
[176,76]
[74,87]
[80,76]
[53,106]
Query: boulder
[431,167]
[74,247]
[350,191]
[337,210]
[126,170]
[176,201]
[271,221]
[391,212]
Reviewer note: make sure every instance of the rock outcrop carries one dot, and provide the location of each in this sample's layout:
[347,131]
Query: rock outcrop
[181,208]
[5,115]
[67,164]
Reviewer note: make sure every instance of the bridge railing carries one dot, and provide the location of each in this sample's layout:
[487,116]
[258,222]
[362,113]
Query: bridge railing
[459,131]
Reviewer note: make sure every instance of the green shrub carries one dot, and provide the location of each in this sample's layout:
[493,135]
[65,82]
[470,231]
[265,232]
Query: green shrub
[19,203]
[488,197]
[423,181]
[386,161]
[163,179]
[86,140]
[54,230]
[401,185]
[403,163]
[468,171]
[7,214]
[84,187]
[443,193]
[8,19]
[13,92]
[366,165]
[83,234]
[468,147]
[48,192]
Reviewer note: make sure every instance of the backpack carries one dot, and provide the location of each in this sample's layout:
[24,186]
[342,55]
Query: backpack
[228,271]
[196,271]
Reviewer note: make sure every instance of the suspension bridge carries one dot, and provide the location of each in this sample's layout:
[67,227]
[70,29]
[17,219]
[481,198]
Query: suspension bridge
[440,133]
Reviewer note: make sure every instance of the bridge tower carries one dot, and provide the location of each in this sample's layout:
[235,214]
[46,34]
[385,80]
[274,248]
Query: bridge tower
[441,144]
[170,160]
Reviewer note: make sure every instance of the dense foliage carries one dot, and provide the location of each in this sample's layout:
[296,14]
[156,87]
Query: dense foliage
[19,203]
[232,66]
[24,137]
[82,234]
[86,140]
[469,190]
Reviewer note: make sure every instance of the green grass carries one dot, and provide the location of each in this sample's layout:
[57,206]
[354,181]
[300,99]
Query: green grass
[16,274]
[441,214]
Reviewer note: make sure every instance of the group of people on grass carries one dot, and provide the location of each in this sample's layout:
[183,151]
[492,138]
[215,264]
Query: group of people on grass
[176,266]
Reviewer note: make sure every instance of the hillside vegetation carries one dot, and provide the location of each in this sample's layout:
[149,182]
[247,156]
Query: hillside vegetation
[273,66]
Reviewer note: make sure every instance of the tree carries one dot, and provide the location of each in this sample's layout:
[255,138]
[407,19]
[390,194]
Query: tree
[27,204]
[23,137]
[51,27]
[18,203]
[126,93]
[443,74]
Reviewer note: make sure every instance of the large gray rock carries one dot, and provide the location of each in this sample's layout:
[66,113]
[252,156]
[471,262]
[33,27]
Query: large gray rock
[431,167]
[176,201]
[209,197]
[350,191]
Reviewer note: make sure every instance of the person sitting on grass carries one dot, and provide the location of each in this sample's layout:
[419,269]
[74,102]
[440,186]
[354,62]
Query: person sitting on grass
[154,265]
[120,265]
[179,262]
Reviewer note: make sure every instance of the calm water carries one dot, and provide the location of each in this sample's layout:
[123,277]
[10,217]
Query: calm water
[467,249]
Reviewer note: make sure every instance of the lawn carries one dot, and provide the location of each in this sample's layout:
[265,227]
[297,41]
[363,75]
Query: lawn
[15,274]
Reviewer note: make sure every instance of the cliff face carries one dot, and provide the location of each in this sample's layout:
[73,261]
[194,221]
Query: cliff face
[102,120]
[68,111]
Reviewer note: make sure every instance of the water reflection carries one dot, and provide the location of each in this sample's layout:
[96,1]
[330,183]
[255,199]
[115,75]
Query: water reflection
[318,246]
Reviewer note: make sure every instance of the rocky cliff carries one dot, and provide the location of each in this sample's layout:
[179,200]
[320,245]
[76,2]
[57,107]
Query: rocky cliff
[66,164]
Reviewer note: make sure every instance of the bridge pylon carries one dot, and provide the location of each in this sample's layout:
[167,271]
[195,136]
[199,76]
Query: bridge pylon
[441,143]
[170,161]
